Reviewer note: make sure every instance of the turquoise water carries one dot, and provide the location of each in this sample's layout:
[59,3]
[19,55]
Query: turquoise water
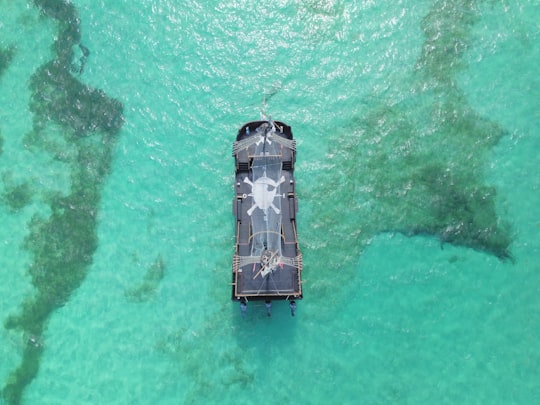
[417,127]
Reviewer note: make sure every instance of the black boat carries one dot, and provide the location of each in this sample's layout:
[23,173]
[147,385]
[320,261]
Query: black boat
[267,263]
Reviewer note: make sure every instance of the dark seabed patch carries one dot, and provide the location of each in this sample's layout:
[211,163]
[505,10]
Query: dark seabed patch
[77,125]
[147,288]
[15,195]
[6,56]
[415,165]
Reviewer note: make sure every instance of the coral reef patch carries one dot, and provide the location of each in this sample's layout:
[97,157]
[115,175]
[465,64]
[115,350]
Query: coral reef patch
[86,121]
[390,171]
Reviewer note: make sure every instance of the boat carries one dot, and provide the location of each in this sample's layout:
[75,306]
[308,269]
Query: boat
[267,263]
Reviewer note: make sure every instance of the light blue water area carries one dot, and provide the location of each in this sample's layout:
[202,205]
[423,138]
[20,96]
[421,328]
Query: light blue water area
[394,105]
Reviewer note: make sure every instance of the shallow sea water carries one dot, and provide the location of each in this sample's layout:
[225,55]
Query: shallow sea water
[388,317]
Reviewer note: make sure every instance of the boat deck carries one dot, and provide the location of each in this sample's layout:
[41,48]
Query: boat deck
[267,264]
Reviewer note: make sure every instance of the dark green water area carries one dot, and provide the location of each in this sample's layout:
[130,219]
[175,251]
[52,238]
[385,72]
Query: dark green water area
[85,123]
[416,164]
